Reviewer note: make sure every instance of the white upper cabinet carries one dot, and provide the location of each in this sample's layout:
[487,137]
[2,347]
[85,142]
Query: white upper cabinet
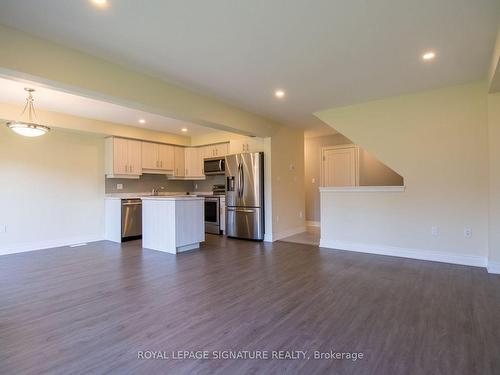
[166,157]
[249,144]
[194,162]
[179,162]
[123,158]
[216,150]
[157,158]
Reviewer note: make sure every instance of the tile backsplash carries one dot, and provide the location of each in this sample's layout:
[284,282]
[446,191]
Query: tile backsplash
[149,181]
[146,183]
[206,185]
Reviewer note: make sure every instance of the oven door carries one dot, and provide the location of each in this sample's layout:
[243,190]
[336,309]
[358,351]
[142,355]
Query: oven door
[214,166]
[212,215]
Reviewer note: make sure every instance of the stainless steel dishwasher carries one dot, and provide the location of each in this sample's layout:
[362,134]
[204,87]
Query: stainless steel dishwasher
[131,219]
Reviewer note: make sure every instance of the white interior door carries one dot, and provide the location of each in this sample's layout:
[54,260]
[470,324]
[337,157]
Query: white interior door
[340,166]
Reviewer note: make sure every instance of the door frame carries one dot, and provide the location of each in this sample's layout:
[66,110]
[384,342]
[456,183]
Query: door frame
[339,147]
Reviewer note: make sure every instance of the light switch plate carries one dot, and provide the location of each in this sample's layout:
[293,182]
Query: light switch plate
[119,186]
[3,228]
[435,231]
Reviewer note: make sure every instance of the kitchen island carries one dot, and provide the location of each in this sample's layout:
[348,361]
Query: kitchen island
[172,224]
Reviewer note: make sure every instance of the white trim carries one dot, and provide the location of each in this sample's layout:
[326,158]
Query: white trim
[361,189]
[268,237]
[436,256]
[494,267]
[313,223]
[33,246]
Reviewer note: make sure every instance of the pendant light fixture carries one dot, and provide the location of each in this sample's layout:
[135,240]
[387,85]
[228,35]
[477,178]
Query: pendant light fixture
[30,128]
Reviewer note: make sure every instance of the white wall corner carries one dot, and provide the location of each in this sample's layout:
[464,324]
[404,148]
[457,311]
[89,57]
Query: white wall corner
[494,267]
[420,254]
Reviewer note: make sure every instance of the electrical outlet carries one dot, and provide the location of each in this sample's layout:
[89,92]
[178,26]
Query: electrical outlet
[467,232]
[3,228]
[277,219]
[119,186]
[435,231]
[195,186]
[300,214]
[313,180]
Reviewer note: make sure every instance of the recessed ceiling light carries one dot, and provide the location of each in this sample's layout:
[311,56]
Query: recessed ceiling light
[142,121]
[279,94]
[184,129]
[100,3]
[428,56]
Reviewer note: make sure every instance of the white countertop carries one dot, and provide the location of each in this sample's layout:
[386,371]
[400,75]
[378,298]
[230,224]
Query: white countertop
[172,198]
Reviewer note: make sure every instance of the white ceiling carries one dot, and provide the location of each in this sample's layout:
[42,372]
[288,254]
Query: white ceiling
[324,53]
[52,100]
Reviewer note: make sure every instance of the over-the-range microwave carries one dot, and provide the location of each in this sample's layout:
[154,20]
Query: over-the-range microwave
[214,166]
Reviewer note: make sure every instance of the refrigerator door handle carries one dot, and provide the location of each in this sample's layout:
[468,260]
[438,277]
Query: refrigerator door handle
[246,210]
[239,181]
[242,181]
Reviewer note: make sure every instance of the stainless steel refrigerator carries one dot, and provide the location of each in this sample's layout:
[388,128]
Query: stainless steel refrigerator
[245,196]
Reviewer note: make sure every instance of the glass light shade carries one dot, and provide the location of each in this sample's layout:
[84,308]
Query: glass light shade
[27,129]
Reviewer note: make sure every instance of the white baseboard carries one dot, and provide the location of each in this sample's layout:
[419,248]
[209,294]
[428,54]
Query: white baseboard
[32,246]
[494,267]
[436,256]
[313,223]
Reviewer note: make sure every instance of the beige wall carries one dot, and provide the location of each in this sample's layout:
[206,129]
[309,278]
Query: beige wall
[372,172]
[287,179]
[437,140]
[51,190]
[494,191]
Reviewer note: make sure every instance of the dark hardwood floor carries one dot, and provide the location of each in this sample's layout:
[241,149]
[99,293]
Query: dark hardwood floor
[91,309]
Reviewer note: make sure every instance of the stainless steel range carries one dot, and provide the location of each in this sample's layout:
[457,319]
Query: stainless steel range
[213,219]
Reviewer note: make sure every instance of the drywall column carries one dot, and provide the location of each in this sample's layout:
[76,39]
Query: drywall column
[287,182]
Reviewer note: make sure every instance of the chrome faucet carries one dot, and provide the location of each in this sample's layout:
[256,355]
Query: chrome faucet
[155,191]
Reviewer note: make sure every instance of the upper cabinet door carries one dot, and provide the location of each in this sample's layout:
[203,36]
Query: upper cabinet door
[179,162]
[150,155]
[120,156]
[221,149]
[237,146]
[166,157]
[134,157]
[208,151]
